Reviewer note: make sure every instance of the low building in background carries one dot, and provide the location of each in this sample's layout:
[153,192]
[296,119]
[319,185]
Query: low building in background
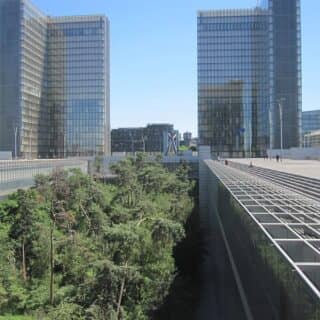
[312,139]
[159,137]
[154,138]
[127,140]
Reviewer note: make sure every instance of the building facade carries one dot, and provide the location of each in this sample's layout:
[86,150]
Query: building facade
[187,137]
[310,121]
[248,66]
[154,138]
[312,139]
[54,83]
[159,137]
[127,140]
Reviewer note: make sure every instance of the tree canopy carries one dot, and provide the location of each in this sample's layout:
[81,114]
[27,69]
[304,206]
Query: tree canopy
[75,248]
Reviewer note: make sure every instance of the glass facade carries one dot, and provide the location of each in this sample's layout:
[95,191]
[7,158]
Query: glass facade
[77,90]
[34,117]
[310,121]
[128,140]
[244,69]
[233,81]
[285,47]
[10,115]
[153,138]
[312,139]
[59,91]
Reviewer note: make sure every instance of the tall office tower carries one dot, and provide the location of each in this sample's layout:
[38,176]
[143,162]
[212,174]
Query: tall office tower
[54,83]
[78,89]
[22,78]
[248,66]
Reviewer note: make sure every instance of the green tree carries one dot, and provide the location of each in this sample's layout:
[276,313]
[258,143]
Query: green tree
[101,251]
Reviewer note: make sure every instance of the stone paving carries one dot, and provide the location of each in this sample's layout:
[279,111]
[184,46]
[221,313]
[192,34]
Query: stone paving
[306,168]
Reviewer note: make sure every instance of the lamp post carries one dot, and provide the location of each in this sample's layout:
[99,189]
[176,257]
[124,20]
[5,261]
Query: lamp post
[241,130]
[30,143]
[280,104]
[270,129]
[15,129]
[250,142]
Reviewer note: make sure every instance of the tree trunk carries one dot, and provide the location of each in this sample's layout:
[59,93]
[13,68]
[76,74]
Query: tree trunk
[24,268]
[121,293]
[51,297]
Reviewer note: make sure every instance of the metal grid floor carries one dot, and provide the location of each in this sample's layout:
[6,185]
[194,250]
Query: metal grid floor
[289,219]
[309,187]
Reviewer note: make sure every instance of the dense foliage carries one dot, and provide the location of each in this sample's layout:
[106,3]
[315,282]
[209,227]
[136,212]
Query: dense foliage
[75,248]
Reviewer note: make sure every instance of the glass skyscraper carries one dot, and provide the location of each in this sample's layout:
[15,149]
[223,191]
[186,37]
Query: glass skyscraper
[54,98]
[248,62]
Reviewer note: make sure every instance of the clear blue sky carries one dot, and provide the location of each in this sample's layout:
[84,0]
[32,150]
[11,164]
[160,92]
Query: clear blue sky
[153,55]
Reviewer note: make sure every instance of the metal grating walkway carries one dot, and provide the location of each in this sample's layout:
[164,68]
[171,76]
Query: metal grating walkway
[309,187]
[289,219]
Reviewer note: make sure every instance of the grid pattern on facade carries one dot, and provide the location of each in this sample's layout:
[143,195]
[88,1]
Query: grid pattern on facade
[310,121]
[77,85]
[312,139]
[127,140]
[285,45]
[249,78]
[290,220]
[34,118]
[10,119]
[233,81]
[54,84]
[153,138]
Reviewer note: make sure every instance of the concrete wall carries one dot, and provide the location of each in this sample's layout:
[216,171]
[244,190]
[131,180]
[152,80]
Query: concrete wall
[266,283]
[5,155]
[17,174]
[171,162]
[296,153]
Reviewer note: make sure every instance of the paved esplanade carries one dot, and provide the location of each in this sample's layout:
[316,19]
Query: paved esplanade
[306,168]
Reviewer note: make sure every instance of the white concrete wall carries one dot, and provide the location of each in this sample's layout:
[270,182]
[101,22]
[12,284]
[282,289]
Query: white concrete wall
[296,153]
[5,155]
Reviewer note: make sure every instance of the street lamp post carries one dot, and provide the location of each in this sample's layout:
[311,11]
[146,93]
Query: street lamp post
[280,104]
[15,141]
[30,144]
[250,145]
[270,129]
